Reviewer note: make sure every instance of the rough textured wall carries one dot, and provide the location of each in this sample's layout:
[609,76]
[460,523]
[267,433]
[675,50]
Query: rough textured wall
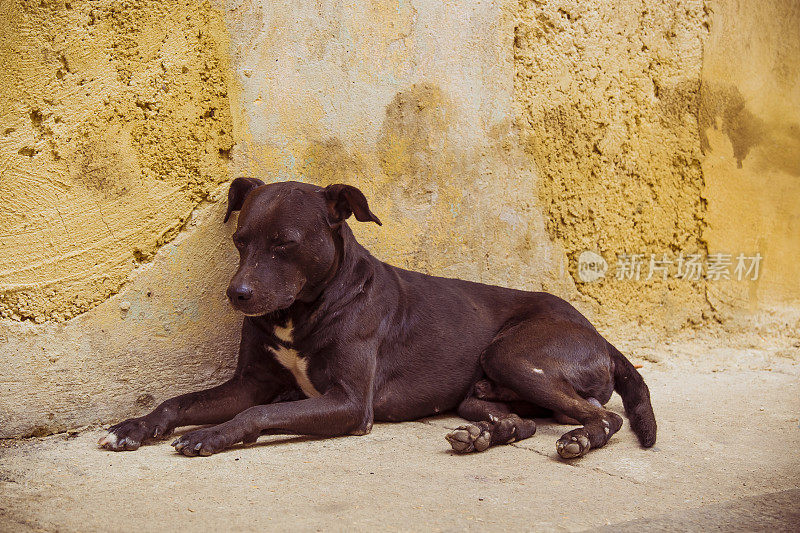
[413,102]
[495,141]
[170,330]
[750,128]
[609,102]
[115,124]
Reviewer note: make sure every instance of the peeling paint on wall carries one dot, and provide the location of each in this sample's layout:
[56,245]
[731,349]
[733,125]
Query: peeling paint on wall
[412,103]
[495,140]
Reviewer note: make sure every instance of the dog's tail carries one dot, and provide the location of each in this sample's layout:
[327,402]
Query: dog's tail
[635,397]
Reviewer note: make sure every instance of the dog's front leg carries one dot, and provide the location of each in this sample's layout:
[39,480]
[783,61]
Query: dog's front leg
[209,406]
[329,415]
[345,408]
[256,381]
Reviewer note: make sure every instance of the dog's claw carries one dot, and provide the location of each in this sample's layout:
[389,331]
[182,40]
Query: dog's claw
[199,445]
[175,442]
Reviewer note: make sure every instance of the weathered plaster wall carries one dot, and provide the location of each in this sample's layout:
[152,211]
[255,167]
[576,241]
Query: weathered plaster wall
[115,125]
[496,140]
[750,130]
[609,97]
[669,128]
[413,102]
[169,331]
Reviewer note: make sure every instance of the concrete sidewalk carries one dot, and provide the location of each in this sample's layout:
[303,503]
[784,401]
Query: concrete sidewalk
[727,457]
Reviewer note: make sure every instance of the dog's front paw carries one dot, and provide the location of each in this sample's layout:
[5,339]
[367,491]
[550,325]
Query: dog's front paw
[470,438]
[205,441]
[131,433]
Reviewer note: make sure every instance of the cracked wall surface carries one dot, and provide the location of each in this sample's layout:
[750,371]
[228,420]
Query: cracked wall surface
[115,125]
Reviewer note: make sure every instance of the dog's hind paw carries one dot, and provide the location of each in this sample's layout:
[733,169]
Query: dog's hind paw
[573,444]
[469,438]
[480,435]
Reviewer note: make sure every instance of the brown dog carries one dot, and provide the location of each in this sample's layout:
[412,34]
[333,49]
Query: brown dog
[334,339]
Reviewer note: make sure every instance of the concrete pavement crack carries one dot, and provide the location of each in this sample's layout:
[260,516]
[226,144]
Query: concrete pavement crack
[544,454]
[517,446]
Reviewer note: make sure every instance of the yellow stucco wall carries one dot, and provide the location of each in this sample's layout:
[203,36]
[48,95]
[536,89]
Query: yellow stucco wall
[669,129]
[115,125]
[750,128]
[495,140]
[609,95]
[414,103]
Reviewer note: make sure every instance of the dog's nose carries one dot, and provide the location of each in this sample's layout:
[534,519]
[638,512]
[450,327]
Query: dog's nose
[240,293]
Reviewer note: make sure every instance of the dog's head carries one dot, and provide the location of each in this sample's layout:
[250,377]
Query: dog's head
[286,236]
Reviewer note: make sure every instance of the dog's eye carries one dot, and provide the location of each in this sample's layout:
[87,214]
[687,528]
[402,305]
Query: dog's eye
[284,245]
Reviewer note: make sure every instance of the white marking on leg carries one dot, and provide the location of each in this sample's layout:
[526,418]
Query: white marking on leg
[538,370]
[606,426]
[110,439]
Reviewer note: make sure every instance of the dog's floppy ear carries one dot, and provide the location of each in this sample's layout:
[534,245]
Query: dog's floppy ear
[239,190]
[345,200]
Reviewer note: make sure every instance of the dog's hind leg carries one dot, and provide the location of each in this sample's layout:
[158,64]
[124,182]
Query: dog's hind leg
[598,423]
[546,368]
[495,424]
[486,390]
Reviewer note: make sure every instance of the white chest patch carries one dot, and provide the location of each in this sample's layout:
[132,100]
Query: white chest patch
[291,360]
